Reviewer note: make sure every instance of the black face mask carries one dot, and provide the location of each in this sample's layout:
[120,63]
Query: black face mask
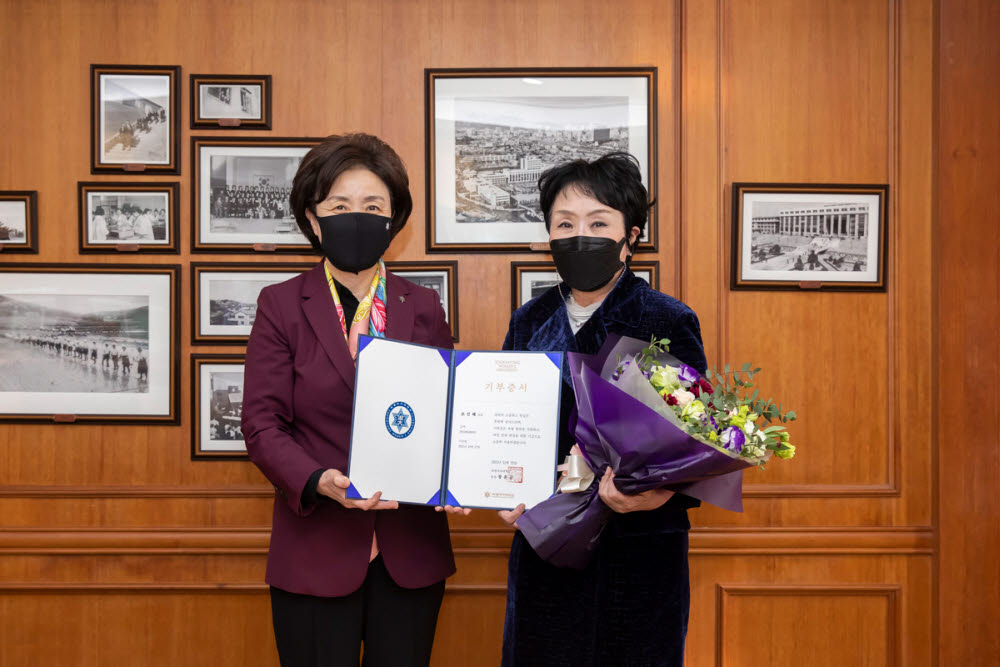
[587,263]
[354,242]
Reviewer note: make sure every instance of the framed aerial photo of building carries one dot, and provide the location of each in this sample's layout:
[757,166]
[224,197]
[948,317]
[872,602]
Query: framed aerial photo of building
[808,236]
[134,119]
[225,295]
[532,279]
[240,189]
[217,406]
[230,101]
[491,133]
[85,343]
[128,217]
[19,221]
[442,277]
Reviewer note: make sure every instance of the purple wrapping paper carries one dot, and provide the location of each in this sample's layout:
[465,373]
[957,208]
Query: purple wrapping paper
[645,450]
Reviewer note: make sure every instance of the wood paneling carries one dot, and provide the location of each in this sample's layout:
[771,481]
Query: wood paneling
[146,557]
[967,259]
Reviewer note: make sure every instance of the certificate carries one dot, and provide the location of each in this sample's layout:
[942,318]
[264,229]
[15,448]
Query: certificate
[469,428]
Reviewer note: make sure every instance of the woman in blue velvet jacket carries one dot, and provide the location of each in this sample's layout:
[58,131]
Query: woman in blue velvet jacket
[630,606]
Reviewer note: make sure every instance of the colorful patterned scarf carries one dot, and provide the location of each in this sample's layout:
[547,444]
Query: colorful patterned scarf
[370,316]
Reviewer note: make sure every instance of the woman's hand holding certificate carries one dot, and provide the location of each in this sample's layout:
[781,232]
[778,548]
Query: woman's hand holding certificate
[334,484]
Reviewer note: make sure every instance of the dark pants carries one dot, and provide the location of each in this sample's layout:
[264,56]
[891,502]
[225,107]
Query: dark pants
[395,624]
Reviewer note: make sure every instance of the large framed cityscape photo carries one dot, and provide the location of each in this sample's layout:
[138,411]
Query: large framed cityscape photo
[230,101]
[85,343]
[808,236]
[217,406]
[239,194]
[491,133]
[19,221]
[532,279]
[135,119]
[442,277]
[128,217]
[224,299]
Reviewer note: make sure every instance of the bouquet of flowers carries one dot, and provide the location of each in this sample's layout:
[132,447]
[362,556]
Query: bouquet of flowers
[658,424]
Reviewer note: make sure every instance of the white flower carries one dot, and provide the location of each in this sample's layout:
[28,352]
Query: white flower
[748,428]
[683,397]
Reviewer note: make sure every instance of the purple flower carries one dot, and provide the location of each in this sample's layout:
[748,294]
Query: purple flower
[687,374]
[733,438]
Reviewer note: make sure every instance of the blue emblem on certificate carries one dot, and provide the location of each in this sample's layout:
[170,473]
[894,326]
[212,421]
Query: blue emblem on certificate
[399,420]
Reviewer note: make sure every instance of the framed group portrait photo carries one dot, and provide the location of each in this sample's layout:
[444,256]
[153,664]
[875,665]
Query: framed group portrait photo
[19,221]
[135,119]
[128,216]
[491,133]
[790,236]
[240,190]
[84,343]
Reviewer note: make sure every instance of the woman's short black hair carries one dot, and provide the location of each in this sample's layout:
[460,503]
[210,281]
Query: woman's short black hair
[613,179]
[333,156]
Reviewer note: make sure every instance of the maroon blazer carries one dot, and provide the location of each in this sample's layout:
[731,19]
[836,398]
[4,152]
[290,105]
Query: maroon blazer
[297,403]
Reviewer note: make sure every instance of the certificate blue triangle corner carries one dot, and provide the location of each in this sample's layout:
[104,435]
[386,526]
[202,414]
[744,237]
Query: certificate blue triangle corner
[451,500]
[461,355]
[446,355]
[435,499]
[363,342]
[556,358]
[352,492]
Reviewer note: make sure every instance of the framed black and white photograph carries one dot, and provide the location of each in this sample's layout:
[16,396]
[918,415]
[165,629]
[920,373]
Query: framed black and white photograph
[492,133]
[240,194]
[135,119]
[128,217]
[19,221]
[808,236]
[217,406]
[442,277]
[532,279]
[230,101]
[81,343]
[225,297]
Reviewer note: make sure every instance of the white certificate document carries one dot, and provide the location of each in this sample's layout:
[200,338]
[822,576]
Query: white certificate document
[504,428]
[400,418]
[434,426]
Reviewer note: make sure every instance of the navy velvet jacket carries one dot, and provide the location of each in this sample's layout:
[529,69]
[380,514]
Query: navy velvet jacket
[632,309]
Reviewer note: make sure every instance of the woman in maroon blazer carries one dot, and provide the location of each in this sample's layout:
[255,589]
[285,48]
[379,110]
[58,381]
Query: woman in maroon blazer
[342,572]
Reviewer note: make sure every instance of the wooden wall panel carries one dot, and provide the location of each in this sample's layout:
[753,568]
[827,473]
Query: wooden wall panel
[150,558]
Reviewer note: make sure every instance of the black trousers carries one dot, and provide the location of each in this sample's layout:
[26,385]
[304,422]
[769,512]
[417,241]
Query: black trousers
[395,624]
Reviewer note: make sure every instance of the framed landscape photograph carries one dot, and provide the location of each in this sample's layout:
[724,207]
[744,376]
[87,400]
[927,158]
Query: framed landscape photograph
[134,119]
[239,194]
[217,406]
[442,277]
[130,216]
[230,101]
[19,221]
[491,133]
[532,279]
[808,236]
[225,295]
[84,343]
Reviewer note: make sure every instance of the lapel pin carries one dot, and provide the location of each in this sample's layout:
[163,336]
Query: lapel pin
[402,299]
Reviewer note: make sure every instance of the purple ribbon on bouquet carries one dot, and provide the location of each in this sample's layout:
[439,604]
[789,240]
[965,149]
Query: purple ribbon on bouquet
[645,450]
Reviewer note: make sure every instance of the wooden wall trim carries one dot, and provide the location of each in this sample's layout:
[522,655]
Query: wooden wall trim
[704,541]
[187,587]
[891,592]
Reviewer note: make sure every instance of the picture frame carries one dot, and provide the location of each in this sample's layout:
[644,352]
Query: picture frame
[135,119]
[531,279]
[89,343]
[482,171]
[216,407]
[131,216]
[792,236]
[224,297]
[239,194]
[442,277]
[230,101]
[19,221]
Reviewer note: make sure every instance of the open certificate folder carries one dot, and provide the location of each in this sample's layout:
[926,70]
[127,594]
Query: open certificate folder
[446,427]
